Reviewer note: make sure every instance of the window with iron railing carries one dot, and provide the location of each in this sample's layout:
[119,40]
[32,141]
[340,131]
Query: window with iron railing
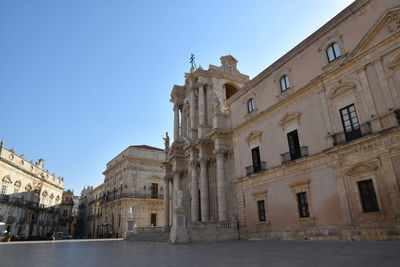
[368,196]
[302,205]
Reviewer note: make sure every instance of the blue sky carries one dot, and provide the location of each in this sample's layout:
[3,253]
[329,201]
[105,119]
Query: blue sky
[81,80]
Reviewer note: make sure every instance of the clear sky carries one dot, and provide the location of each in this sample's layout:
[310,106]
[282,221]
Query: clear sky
[81,80]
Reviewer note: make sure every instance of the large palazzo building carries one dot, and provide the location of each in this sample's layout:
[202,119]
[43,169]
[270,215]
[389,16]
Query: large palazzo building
[131,197]
[30,196]
[308,149]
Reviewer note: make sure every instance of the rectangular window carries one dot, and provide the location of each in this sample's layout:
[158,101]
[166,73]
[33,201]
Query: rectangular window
[153,219]
[4,188]
[261,211]
[350,122]
[367,195]
[255,154]
[154,190]
[294,145]
[302,205]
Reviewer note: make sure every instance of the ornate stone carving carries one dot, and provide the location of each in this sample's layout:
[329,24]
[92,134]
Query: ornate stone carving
[393,23]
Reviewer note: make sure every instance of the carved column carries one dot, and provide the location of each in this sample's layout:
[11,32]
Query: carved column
[194,192]
[176,122]
[176,188]
[204,196]
[193,130]
[166,201]
[221,192]
[202,107]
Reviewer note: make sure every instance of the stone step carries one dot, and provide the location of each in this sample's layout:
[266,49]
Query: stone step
[148,236]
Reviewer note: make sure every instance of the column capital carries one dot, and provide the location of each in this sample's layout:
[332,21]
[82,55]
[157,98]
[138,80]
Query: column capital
[194,163]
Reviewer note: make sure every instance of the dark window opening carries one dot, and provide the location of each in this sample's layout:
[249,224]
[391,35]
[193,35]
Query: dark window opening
[368,196]
[255,154]
[261,211]
[229,90]
[294,145]
[154,190]
[302,205]
[153,219]
[350,123]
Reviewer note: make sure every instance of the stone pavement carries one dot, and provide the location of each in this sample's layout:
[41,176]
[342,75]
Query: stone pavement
[236,253]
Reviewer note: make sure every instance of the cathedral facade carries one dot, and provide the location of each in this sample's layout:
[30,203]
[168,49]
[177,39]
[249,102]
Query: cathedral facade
[307,149]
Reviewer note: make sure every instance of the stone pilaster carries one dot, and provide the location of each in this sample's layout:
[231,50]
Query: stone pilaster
[176,122]
[166,201]
[221,188]
[193,129]
[384,85]
[204,195]
[194,192]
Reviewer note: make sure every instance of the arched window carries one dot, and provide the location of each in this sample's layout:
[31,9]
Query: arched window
[285,84]
[250,105]
[333,52]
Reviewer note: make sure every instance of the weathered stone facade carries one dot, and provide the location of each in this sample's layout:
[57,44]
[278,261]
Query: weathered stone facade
[30,196]
[308,149]
[131,197]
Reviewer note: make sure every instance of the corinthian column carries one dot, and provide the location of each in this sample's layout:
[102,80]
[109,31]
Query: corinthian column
[193,130]
[204,197]
[221,192]
[176,122]
[194,193]
[166,201]
[202,108]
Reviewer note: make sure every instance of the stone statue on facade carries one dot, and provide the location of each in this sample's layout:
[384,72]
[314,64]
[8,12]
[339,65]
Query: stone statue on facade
[179,197]
[192,63]
[166,141]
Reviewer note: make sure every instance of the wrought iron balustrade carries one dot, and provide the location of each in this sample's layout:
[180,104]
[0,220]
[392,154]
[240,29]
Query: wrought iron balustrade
[113,197]
[288,157]
[344,137]
[252,169]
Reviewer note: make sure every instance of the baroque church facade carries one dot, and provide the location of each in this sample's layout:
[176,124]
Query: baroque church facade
[307,149]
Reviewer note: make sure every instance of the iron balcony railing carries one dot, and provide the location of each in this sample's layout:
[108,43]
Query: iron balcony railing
[21,202]
[287,157]
[254,169]
[344,137]
[112,197]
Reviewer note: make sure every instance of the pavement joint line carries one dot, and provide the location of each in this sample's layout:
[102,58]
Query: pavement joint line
[60,241]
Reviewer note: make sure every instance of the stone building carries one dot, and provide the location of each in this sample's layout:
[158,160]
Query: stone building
[82,226]
[308,149]
[66,218]
[30,196]
[131,196]
[95,224]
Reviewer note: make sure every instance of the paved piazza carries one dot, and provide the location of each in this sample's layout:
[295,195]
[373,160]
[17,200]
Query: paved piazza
[235,253]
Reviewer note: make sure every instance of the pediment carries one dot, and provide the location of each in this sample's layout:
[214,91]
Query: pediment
[289,117]
[341,89]
[28,187]
[7,179]
[387,25]
[361,168]
[17,183]
[254,135]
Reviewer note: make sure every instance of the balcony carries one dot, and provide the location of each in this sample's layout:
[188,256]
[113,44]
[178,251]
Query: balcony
[252,169]
[288,157]
[112,197]
[342,137]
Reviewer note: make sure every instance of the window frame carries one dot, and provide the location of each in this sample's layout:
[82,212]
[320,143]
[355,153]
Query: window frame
[250,105]
[262,217]
[334,48]
[371,204]
[284,83]
[302,205]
